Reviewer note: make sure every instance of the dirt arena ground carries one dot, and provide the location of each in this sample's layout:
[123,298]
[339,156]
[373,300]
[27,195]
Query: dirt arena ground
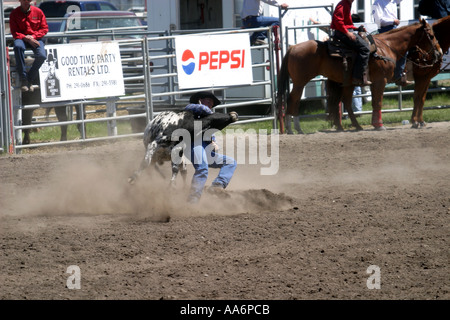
[340,204]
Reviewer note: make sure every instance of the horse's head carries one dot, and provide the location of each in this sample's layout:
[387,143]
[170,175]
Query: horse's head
[428,47]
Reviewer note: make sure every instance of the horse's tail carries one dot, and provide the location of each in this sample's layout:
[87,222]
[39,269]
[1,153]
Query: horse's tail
[283,79]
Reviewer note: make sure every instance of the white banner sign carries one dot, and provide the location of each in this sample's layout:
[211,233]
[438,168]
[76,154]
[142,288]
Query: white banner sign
[213,60]
[80,71]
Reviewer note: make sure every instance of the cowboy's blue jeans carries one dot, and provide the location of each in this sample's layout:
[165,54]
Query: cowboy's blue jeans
[202,159]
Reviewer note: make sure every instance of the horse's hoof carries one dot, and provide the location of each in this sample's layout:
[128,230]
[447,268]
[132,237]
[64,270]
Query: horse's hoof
[359,128]
[131,180]
[418,125]
[382,128]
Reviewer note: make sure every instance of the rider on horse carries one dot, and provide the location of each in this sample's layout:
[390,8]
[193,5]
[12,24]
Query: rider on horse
[343,27]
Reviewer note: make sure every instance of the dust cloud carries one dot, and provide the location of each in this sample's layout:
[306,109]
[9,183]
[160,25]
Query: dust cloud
[82,187]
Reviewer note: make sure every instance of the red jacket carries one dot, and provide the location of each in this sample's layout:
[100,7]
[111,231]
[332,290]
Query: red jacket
[31,23]
[342,17]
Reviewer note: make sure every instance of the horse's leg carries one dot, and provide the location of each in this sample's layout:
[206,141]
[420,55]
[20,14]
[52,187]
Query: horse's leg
[334,91]
[151,149]
[293,102]
[27,117]
[421,85]
[347,99]
[288,124]
[377,89]
[61,114]
[297,127]
[80,125]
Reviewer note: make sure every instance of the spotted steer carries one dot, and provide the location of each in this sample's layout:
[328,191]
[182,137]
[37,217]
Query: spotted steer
[158,139]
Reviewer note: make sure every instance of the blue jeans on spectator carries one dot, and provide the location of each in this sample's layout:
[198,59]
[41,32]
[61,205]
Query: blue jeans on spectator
[357,102]
[202,161]
[39,57]
[259,22]
[401,63]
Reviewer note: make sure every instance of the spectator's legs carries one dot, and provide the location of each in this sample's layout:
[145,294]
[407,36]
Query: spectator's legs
[257,22]
[357,102]
[266,22]
[39,57]
[19,53]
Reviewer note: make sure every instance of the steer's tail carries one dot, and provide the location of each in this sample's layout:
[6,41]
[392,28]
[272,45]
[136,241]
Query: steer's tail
[283,80]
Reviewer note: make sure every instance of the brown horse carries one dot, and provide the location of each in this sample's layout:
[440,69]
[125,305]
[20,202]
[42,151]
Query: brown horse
[61,113]
[308,59]
[423,71]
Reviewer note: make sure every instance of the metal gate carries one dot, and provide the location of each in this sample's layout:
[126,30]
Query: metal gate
[151,85]
[5,115]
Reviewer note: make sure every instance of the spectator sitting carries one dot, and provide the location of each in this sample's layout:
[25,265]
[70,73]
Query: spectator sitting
[28,26]
[251,15]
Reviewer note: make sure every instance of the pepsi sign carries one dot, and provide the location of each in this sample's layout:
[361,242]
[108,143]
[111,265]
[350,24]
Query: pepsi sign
[188,62]
[213,60]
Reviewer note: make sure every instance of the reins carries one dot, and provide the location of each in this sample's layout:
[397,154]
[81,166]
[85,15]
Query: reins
[444,68]
[417,48]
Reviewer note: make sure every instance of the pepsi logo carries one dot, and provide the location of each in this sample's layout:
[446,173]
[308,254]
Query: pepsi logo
[188,62]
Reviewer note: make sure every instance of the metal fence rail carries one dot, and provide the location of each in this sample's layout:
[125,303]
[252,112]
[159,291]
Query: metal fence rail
[151,85]
[399,93]
[5,105]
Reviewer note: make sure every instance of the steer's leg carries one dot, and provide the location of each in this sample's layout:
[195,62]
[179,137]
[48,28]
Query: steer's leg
[151,149]
[175,170]
[177,162]
[183,171]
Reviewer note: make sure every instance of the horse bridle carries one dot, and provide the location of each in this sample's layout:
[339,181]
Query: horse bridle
[437,53]
[434,51]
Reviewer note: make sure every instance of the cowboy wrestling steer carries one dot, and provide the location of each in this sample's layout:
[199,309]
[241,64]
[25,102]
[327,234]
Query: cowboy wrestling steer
[158,138]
